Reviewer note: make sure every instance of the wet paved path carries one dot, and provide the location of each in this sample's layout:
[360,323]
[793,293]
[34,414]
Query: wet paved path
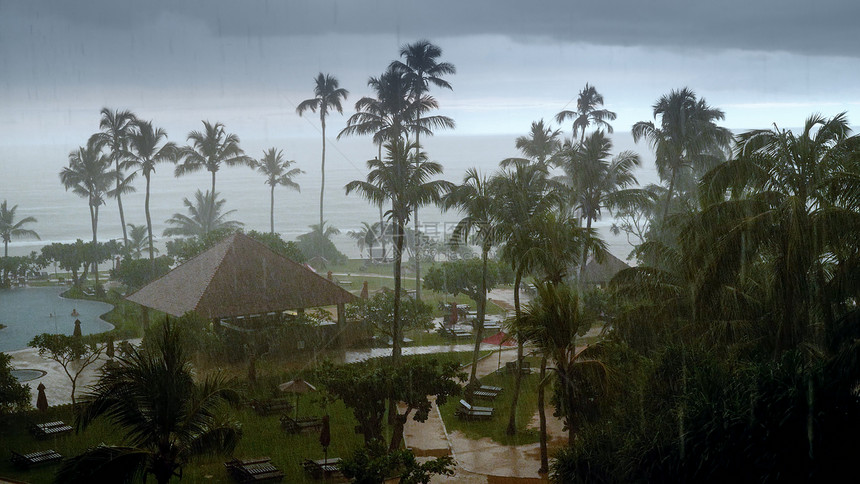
[484,460]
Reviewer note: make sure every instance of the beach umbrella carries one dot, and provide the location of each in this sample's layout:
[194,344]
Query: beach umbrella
[297,386]
[500,339]
[41,399]
[111,350]
[454,313]
[364,291]
[325,437]
[77,332]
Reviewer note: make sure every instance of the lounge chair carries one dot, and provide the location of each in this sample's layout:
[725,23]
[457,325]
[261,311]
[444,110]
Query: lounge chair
[254,470]
[511,367]
[33,459]
[270,407]
[50,429]
[303,424]
[467,411]
[322,468]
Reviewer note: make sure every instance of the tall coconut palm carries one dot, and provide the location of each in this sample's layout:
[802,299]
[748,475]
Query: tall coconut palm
[523,194]
[423,69]
[277,172]
[204,216]
[9,227]
[149,147]
[328,95]
[116,126]
[540,144]
[597,182]
[210,149]
[89,176]
[587,113]
[475,199]
[154,398]
[687,139]
[405,183]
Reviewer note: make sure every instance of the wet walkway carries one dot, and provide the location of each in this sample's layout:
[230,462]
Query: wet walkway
[484,460]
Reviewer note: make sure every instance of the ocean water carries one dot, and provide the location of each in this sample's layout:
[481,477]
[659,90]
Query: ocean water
[29,177]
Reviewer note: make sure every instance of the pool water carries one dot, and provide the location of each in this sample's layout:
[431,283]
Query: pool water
[27,375]
[30,311]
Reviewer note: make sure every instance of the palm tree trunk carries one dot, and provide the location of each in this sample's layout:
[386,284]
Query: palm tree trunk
[544,456]
[395,324]
[482,308]
[669,196]
[213,185]
[272,210]
[149,227]
[94,211]
[585,251]
[417,233]
[512,420]
[322,168]
[119,202]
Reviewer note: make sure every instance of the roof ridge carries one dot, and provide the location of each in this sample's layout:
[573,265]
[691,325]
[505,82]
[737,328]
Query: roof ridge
[228,241]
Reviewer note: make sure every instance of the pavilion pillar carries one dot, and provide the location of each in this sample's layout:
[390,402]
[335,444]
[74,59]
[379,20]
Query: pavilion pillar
[341,315]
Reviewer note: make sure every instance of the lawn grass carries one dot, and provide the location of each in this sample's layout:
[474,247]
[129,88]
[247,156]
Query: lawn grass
[495,427]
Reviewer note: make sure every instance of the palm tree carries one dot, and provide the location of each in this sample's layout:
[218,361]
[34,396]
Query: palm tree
[364,237]
[204,216]
[523,194]
[149,147]
[587,113]
[327,95]
[406,183]
[277,172]
[475,199]
[540,144]
[423,69]
[687,140]
[553,321]
[168,418]
[116,127]
[597,182]
[89,176]
[9,227]
[138,239]
[209,150]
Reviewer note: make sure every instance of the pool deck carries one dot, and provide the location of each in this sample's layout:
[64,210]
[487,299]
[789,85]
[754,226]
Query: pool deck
[58,386]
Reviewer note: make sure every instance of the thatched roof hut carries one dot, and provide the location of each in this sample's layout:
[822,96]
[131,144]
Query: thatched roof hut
[600,274]
[236,277]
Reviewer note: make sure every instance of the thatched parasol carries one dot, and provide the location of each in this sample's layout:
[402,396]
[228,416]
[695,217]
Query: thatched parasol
[77,333]
[297,386]
[364,291]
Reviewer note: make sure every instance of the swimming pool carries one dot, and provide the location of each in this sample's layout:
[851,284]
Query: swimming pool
[30,311]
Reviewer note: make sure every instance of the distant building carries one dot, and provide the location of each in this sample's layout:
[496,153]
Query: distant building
[599,274]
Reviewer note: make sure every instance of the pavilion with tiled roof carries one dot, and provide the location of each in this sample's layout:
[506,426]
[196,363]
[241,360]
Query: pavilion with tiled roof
[240,276]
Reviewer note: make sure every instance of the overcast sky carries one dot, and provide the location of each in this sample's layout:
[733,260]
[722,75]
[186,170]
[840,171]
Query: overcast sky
[248,63]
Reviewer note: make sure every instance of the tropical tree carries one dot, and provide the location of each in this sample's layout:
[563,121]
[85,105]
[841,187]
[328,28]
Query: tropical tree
[89,176]
[138,240]
[597,182]
[422,68]
[9,227]
[364,237]
[277,172]
[70,352]
[523,194]
[587,113]
[209,150]
[475,199]
[327,95]
[204,216]
[791,196]
[405,183]
[149,147]
[168,417]
[116,126]
[687,141]
[540,144]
